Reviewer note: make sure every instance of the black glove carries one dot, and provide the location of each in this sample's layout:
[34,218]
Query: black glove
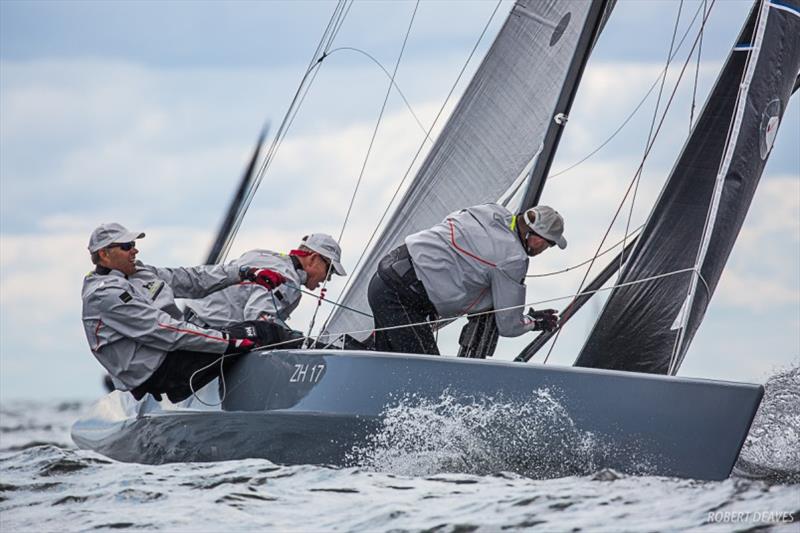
[545,320]
[241,338]
[236,346]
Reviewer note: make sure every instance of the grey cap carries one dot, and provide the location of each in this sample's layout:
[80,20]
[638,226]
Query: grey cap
[106,234]
[326,246]
[547,224]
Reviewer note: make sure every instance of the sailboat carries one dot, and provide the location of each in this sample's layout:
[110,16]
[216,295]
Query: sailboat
[322,405]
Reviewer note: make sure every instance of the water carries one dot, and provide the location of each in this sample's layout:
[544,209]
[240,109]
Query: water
[433,467]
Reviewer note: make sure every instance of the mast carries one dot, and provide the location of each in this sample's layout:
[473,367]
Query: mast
[595,21]
[479,336]
[492,135]
[234,213]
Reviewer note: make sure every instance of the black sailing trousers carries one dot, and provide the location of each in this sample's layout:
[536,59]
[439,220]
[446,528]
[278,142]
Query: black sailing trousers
[180,366]
[398,298]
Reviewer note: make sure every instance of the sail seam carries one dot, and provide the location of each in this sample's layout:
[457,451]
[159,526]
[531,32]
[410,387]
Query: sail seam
[733,138]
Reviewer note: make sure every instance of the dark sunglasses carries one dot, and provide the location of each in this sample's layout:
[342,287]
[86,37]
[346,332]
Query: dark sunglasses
[124,246]
[327,262]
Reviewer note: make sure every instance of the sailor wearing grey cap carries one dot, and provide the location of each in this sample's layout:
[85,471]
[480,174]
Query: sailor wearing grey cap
[316,259]
[474,261]
[136,331]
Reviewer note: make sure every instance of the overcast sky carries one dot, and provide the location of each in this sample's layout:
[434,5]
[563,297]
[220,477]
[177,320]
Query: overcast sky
[145,113]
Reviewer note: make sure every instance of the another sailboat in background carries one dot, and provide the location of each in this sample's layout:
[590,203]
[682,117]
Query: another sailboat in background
[323,406]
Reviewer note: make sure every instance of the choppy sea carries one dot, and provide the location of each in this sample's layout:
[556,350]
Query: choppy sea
[47,484]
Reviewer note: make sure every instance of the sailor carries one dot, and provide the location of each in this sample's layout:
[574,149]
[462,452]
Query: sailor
[474,261]
[136,331]
[315,260]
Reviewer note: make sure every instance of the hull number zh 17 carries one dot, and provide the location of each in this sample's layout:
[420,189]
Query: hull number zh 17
[307,373]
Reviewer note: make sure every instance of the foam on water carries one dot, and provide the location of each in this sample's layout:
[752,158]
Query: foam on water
[536,438]
[48,485]
[772,448]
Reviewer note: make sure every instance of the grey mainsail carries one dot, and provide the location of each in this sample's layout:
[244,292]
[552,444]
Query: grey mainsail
[647,327]
[495,131]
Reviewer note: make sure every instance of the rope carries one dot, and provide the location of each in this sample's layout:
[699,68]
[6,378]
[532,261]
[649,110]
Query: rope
[696,75]
[391,80]
[366,156]
[334,25]
[221,359]
[635,110]
[638,178]
[414,159]
[641,164]
[522,306]
[604,252]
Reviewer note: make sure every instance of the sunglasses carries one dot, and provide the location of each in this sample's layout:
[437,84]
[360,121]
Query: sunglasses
[327,262]
[124,246]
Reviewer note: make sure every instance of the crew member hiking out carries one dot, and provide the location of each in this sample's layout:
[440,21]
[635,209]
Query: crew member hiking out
[474,261]
[316,259]
[136,331]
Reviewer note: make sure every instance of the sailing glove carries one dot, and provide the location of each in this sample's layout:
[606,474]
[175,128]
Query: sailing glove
[241,338]
[236,346]
[545,320]
[263,276]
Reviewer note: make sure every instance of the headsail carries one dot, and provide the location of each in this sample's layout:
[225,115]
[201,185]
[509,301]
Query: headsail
[493,134]
[647,327]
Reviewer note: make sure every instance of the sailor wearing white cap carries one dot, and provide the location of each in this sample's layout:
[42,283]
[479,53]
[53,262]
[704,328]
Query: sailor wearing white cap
[136,331]
[474,261]
[316,259]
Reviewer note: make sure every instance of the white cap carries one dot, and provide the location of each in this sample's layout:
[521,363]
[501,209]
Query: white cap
[326,246]
[547,224]
[111,233]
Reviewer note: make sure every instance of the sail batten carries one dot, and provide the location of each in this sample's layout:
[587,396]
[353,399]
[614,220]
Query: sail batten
[648,327]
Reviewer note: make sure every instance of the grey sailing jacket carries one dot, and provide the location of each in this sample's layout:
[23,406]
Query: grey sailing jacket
[474,261]
[250,301]
[132,322]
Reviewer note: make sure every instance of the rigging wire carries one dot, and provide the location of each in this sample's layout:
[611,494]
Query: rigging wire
[635,109]
[388,75]
[493,311]
[573,267]
[638,177]
[644,159]
[275,345]
[414,159]
[369,150]
[334,25]
[696,75]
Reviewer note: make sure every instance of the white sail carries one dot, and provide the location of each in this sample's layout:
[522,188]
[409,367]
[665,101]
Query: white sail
[492,135]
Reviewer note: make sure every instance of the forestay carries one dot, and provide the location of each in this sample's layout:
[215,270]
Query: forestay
[647,327]
[495,131]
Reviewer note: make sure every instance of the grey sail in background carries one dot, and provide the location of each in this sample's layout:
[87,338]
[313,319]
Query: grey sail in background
[494,132]
[647,327]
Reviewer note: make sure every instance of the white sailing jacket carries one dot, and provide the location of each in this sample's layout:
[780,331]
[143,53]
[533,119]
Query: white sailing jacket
[474,261]
[132,322]
[250,301]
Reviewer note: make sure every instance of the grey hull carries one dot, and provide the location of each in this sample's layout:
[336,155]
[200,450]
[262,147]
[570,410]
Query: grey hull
[316,407]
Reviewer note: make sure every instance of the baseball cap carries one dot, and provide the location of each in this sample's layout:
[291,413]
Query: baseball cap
[547,224]
[106,234]
[326,246]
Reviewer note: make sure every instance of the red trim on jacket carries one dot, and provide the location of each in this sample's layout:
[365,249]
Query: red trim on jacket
[463,251]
